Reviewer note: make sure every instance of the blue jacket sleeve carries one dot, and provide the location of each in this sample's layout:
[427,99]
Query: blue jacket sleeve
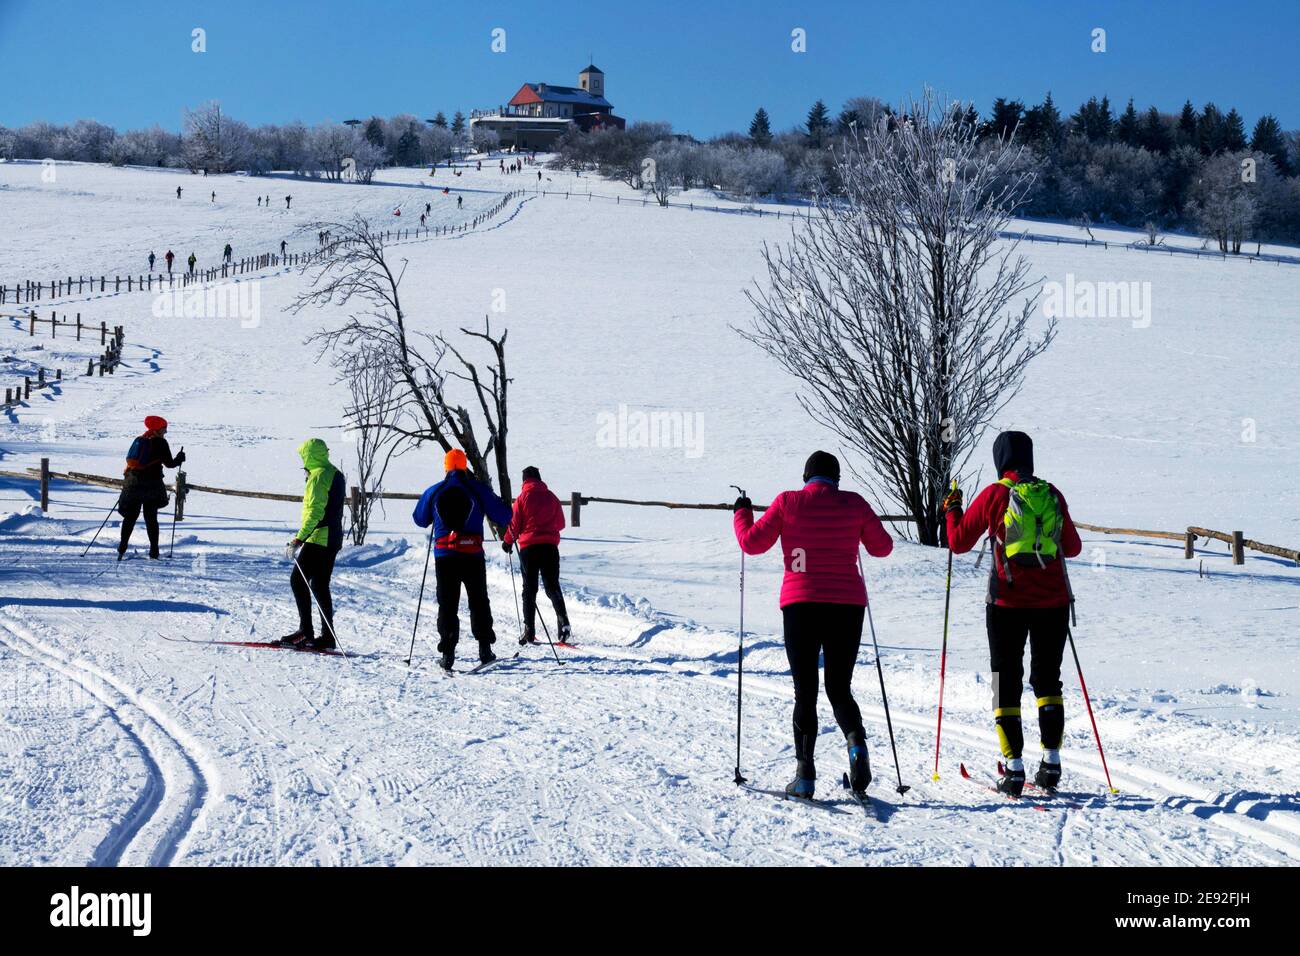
[423,513]
[497,511]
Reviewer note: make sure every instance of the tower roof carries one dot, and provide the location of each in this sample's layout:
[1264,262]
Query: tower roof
[592,68]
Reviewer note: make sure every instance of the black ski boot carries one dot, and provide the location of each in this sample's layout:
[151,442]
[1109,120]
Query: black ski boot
[323,643]
[528,637]
[805,774]
[446,660]
[296,639]
[121,551]
[1048,777]
[485,655]
[801,787]
[564,632]
[1012,782]
[859,763]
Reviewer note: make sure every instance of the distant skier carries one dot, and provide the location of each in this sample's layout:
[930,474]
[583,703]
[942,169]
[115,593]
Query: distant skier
[1030,534]
[460,201]
[227,253]
[143,488]
[259,202]
[823,602]
[456,507]
[192,260]
[169,257]
[428,208]
[539,175]
[178,192]
[318,542]
[214,194]
[152,260]
[288,201]
[535,525]
[283,246]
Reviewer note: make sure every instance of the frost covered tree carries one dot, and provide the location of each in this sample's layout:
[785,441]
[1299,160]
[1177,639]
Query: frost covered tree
[900,308]
[213,141]
[330,144]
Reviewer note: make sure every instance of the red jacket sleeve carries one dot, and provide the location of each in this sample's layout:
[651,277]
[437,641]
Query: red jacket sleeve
[755,537]
[516,520]
[1070,543]
[878,542]
[965,531]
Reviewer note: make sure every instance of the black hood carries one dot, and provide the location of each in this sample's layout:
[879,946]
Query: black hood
[822,464]
[1013,451]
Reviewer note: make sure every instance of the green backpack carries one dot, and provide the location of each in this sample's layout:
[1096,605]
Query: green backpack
[1032,522]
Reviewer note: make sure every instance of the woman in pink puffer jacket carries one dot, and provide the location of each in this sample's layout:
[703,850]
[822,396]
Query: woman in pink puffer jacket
[823,601]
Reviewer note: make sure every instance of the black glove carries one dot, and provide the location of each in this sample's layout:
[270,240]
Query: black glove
[742,503]
[507,546]
[179,459]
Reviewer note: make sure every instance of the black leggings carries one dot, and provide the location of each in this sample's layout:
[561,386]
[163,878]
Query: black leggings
[130,510]
[541,560]
[835,632]
[451,571]
[1046,629]
[317,564]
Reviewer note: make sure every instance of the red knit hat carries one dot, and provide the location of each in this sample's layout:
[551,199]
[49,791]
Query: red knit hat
[455,460]
[155,423]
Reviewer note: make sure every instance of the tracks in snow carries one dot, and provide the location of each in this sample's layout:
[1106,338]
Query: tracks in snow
[179,778]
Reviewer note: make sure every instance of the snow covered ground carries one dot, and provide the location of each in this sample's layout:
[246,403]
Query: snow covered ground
[120,742]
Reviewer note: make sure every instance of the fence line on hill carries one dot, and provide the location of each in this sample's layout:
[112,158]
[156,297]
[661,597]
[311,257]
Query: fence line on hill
[181,488]
[107,362]
[29,291]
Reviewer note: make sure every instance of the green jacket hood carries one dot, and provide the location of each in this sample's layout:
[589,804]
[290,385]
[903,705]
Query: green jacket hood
[314,454]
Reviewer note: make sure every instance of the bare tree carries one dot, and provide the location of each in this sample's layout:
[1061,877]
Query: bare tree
[893,303]
[369,420]
[376,338]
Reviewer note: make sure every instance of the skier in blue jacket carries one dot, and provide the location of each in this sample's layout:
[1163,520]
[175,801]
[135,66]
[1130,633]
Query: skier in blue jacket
[456,507]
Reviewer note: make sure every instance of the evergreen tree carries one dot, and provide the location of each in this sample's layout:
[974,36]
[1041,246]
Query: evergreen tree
[1128,128]
[760,129]
[440,120]
[1209,130]
[819,123]
[1154,135]
[1269,139]
[408,147]
[1188,123]
[1005,118]
[1234,132]
[1093,120]
[458,123]
[374,132]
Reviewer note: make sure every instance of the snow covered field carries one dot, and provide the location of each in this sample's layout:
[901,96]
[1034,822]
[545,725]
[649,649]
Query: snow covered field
[120,742]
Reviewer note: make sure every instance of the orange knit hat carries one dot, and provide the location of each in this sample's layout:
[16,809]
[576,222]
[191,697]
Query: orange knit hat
[455,460]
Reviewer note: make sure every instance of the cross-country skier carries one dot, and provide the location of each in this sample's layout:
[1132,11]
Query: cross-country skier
[192,260]
[823,601]
[456,507]
[169,257]
[214,195]
[227,253]
[460,201]
[1030,534]
[152,260]
[288,201]
[535,526]
[178,192]
[142,483]
[283,245]
[320,538]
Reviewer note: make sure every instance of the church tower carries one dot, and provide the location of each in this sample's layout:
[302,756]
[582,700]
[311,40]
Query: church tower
[592,80]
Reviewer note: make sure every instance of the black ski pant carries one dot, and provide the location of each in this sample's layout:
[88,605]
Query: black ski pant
[451,571]
[833,631]
[541,560]
[316,564]
[130,511]
[1045,627]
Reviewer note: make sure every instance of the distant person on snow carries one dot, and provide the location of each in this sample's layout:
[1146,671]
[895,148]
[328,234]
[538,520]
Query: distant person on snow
[428,208]
[142,485]
[178,192]
[169,257]
[318,542]
[288,201]
[1030,534]
[460,201]
[152,260]
[456,507]
[192,260]
[259,202]
[823,602]
[214,194]
[535,526]
[283,246]
[227,253]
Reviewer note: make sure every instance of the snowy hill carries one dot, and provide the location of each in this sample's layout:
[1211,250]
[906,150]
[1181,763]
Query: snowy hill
[167,751]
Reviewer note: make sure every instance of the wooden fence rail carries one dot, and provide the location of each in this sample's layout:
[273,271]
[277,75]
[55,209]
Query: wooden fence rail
[108,360]
[181,488]
[28,291]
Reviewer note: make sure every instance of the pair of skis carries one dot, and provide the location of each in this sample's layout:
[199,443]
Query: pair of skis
[268,645]
[478,668]
[869,808]
[1036,797]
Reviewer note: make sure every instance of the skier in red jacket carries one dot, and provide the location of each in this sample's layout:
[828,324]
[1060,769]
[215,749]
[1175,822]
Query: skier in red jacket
[535,525]
[823,601]
[1030,534]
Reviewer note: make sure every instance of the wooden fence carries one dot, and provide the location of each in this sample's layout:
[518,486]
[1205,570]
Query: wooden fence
[107,362]
[1236,540]
[29,291]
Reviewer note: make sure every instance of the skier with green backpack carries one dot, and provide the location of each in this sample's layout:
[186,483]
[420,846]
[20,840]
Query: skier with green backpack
[1030,534]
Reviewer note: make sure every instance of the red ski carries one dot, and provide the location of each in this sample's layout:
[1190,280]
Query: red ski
[991,789]
[273,645]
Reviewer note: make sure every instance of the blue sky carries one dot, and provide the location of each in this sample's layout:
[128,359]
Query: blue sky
[703,66]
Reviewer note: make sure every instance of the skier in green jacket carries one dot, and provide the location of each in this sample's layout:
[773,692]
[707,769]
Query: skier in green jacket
[317,543]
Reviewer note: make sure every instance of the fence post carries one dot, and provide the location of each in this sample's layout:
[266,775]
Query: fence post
[45,485]
[1189,545]
[575,509]
[355,504]
[180,496]
[1238,548]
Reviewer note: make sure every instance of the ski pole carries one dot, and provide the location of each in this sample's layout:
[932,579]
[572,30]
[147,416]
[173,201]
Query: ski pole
[943,656]
[328,624]
[420,603]
[740,657]
[1084,687]
[102,526]
[884,699]
[546,630]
